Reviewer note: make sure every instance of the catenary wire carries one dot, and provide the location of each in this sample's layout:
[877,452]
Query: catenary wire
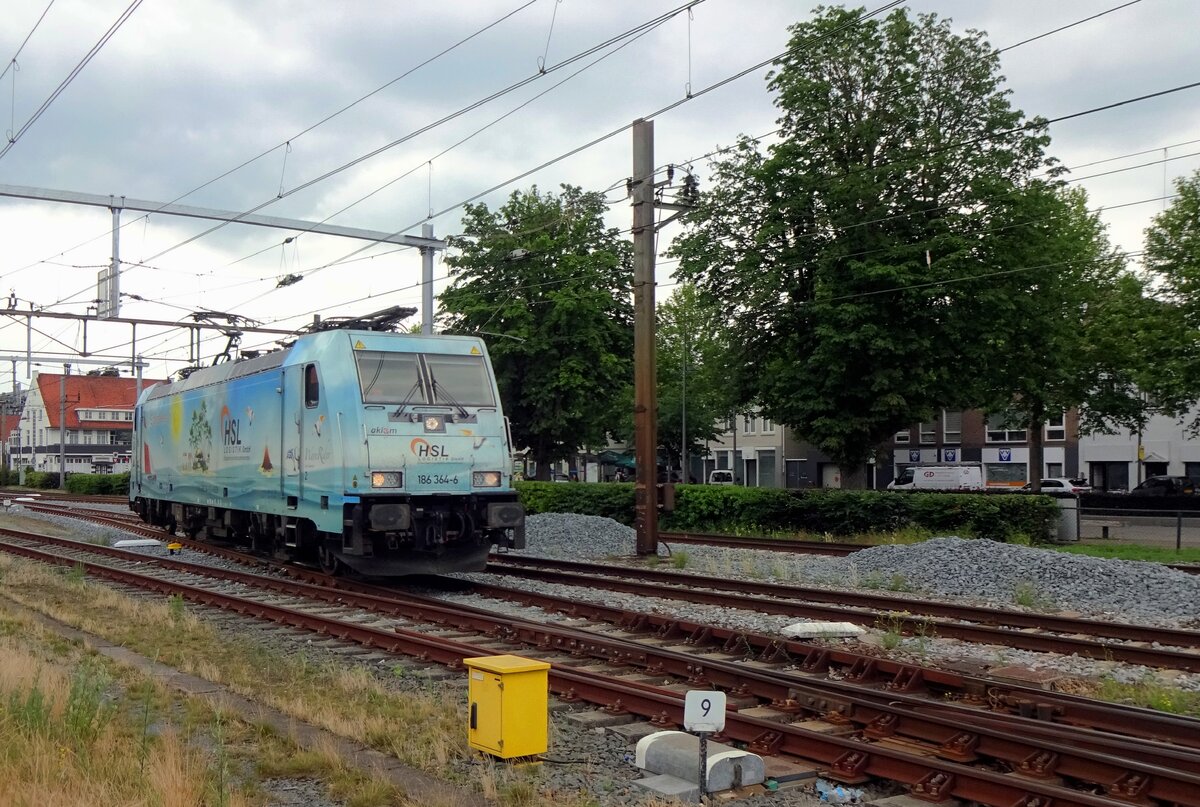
[15,136]
[445,119]
[630,35]
[1076,114]
[13,60]
[417,285]
[304,131]
[477,132]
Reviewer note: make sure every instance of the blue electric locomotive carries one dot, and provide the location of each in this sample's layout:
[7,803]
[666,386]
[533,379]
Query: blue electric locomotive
[386,453]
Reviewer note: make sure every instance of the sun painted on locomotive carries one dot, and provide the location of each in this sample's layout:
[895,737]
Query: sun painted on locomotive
[382,452]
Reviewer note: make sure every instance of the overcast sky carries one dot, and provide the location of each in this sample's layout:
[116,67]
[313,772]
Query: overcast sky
[184,91]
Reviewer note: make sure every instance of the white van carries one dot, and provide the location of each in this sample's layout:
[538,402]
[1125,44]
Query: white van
[939,477]
[720,477]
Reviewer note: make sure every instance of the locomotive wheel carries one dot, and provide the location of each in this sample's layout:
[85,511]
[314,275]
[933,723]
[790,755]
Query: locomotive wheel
[329,561]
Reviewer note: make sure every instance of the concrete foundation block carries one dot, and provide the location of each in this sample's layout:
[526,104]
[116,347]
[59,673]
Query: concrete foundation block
[670,787]
[822,630]
[633,732]
[905,800]
[678,753]
[595,719]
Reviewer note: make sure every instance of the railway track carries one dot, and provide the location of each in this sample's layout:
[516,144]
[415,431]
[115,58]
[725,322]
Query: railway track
[944,752]
[1133,644]
[808,547]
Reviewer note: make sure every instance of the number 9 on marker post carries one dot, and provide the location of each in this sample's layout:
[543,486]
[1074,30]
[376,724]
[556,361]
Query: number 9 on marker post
[704,711]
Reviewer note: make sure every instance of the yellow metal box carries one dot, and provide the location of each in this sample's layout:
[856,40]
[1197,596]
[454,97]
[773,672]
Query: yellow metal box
[507,697]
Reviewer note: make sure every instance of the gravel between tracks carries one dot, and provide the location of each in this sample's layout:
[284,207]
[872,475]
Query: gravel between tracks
[996,574]
[975,571]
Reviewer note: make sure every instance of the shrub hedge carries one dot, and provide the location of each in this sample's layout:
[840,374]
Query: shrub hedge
[91,484]
[727,508]
[99,484]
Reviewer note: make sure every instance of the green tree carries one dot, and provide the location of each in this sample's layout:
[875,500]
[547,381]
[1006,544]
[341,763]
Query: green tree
[548,285]
[1061,338]
[693,368]
[1173,259]
[849,255]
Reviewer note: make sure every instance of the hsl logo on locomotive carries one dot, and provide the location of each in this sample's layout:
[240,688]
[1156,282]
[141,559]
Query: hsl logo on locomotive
[230,437]
[422,448]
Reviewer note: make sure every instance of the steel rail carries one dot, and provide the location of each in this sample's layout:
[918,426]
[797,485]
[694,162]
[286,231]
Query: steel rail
[1121,777]
[989,620]
[1124,631]
[1030,701]
[985,634]
[803,546]
[1125,781]
[1023,700]
[870,671]
[761,542]
[836,700]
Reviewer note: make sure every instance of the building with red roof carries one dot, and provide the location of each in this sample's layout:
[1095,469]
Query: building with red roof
[94,413]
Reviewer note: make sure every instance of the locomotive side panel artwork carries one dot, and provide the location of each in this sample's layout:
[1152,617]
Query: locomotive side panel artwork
[384,453]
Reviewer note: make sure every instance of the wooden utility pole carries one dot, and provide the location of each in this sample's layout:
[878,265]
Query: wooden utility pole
[645,406]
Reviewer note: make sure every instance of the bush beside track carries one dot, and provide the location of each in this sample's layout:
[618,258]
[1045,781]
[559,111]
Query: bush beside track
[85,484]
[725,508]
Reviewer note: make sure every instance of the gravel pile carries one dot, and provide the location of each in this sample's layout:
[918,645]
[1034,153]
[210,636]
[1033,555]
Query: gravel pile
[567,536]
[1131,590]
[997,574]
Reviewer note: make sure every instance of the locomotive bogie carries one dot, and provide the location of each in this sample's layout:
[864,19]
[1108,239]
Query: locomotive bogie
[384,453]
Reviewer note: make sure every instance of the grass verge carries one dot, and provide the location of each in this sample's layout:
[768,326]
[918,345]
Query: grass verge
[423,726]
[1158,554]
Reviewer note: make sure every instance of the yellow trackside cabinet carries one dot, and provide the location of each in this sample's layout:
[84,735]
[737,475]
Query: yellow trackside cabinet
[508,705]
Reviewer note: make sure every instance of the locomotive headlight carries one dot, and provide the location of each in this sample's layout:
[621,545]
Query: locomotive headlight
[434,423]
[387,479]
[485,479]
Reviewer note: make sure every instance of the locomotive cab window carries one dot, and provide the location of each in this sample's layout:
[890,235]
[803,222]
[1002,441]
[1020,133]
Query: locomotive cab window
[389,378]
[312,386]
[460,380]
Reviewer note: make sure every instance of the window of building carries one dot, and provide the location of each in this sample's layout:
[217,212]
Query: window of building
[729,424]
[929,432]
[1056,427]
[903,437]
[951,426]
[749,424]
[999,432]
[1054,469]
[768,427]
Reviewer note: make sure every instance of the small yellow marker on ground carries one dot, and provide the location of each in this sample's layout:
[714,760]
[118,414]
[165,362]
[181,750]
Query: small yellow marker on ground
[174,547]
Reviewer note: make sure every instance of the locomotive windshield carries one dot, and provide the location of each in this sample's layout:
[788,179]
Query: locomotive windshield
[389,377]
[396,378]
[459,380]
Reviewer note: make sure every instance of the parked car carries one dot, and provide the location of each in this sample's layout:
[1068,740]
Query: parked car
[1061,484]
[1165,486]
[939,477]
[720,477]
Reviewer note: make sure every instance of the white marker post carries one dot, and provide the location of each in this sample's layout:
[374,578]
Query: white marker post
[704,714]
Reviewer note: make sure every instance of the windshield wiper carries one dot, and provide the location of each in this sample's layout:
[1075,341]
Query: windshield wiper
[407,398]
[438,393]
